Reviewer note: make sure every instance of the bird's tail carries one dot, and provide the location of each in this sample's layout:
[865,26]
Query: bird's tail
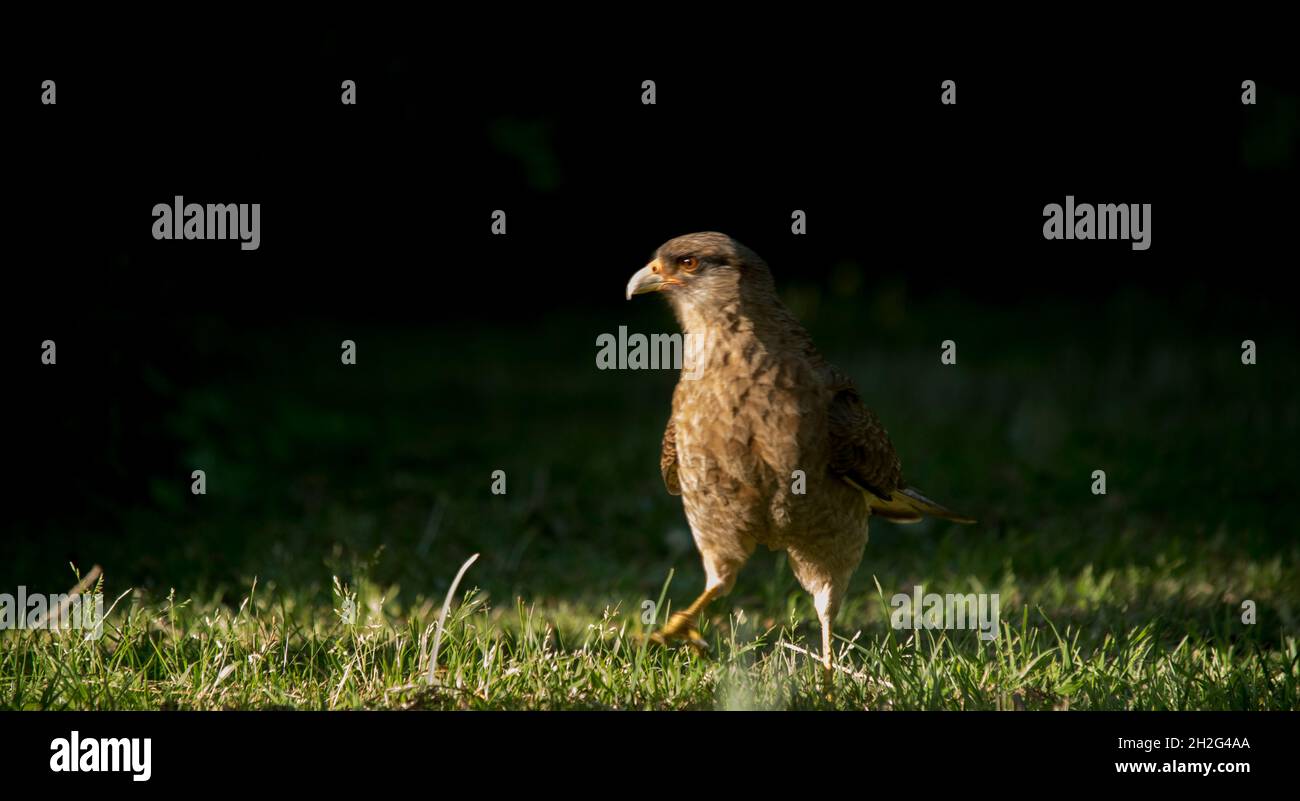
[906,505]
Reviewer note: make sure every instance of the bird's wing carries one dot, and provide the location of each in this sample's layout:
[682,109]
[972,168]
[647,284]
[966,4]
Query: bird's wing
[860,449]
[668,460]
[862,455]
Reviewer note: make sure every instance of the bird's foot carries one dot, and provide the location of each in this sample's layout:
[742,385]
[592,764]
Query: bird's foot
[828,682]
[681,628]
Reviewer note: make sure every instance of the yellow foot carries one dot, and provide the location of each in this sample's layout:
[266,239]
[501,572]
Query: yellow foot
[681,627]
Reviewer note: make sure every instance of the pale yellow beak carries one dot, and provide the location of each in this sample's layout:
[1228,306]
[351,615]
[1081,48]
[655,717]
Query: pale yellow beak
[647,279]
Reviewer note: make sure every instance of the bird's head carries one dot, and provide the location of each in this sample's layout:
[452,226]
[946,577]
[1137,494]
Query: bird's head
[702,272]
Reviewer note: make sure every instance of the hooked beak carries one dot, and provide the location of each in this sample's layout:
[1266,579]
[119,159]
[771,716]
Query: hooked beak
[648,279]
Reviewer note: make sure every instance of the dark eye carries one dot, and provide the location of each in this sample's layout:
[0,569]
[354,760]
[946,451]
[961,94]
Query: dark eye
[688,263]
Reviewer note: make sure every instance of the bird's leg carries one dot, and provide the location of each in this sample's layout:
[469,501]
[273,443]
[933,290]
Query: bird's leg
[828,657]
[826,604]
[682,625]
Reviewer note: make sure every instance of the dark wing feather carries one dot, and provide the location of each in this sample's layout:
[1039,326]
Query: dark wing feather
[860,449]
[862,455]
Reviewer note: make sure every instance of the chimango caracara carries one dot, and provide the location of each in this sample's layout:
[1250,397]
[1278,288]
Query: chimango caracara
[757,404]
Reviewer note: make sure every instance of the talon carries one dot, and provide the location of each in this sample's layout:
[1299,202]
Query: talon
[682,625]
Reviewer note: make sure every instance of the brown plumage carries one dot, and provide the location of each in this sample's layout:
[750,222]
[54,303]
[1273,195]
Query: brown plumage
[756,403]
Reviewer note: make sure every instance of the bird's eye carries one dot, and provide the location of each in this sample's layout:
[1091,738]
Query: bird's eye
[688,263]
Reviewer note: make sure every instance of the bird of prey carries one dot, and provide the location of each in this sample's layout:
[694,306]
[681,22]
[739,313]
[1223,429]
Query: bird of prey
[758,404]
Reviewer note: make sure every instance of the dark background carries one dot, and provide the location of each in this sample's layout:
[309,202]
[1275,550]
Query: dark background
[476,352]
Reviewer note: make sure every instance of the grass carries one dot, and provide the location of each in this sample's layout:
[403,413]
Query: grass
[278,651]
[332,491]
